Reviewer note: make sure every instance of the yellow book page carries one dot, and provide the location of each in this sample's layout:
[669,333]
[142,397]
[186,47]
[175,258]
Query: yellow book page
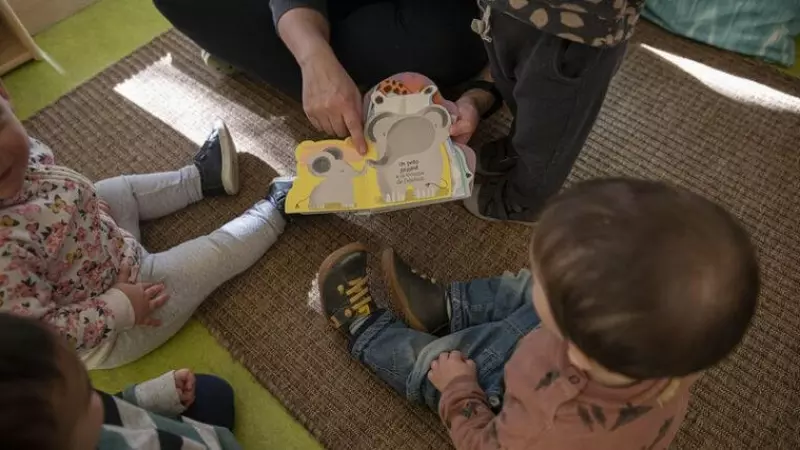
[333,177]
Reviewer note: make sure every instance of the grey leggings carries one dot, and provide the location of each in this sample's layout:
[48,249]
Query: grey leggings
[192,270]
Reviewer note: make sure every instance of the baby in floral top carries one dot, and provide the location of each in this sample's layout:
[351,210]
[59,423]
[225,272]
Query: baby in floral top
[70,253]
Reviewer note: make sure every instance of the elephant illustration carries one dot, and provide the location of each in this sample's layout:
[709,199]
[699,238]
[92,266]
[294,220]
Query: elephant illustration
[337,183]
[409,151]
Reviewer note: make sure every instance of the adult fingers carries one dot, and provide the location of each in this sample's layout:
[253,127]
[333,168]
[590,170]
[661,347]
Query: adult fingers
[338,125]
[352,120]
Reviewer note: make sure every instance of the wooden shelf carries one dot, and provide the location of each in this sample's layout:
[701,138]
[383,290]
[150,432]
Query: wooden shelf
[16,45]
[12,52]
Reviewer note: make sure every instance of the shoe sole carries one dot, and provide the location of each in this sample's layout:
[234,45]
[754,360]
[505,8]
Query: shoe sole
[230,159]
[397,296]
[468,206]
[330,261]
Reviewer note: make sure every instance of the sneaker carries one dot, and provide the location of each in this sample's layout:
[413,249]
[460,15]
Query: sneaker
[218,65]
[489,202]
[421,301]
[218,163]
[496,158]
[344,286]
[278,190]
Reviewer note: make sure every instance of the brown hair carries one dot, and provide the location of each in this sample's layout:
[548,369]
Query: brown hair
[649,280]
[29,377]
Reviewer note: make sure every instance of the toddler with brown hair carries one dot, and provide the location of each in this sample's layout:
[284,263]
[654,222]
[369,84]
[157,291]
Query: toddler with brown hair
[635,288]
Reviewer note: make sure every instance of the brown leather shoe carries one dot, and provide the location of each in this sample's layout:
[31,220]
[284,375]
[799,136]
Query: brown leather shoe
[421,301]
[344,286]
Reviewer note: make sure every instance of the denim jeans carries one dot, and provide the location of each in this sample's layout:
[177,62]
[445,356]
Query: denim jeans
[489,316]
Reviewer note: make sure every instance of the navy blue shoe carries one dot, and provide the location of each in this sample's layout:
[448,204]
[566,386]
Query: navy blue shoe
[278,190]
[218,163]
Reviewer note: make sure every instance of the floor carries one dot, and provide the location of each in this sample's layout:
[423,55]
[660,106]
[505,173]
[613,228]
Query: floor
[83,45]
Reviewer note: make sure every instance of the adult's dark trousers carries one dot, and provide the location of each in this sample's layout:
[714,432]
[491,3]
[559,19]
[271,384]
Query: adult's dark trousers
[372,39]
[554,88]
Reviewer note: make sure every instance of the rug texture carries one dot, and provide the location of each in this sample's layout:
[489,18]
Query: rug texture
[666,117]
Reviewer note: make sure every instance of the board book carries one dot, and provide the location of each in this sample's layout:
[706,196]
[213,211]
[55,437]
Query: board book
[410,161]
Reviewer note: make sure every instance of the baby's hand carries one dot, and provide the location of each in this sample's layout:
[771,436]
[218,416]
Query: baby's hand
[449,366]
[185,384]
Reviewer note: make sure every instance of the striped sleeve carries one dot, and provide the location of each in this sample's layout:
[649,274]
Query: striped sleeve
[129,427]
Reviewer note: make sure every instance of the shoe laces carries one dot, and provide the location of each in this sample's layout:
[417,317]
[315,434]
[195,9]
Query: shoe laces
[357,292]
[423,276]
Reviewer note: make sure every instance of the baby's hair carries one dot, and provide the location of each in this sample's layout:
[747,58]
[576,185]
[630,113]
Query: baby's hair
[647,279]
[29,376]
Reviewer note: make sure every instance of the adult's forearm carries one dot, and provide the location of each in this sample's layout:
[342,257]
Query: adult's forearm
[306,33]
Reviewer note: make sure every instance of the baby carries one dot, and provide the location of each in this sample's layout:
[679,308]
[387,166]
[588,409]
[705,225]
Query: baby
[47,401]
[635,288]
[70,251]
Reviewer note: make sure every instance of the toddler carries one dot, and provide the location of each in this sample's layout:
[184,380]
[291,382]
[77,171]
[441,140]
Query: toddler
[635,288]
[70,251]
[47,401]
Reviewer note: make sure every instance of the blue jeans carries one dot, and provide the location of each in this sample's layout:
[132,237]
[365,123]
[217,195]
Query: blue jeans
[489,316]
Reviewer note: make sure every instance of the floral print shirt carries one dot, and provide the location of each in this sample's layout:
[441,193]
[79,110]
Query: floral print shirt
[60,255]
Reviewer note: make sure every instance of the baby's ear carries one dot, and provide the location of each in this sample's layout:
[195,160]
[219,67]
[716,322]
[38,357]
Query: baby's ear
[577,358]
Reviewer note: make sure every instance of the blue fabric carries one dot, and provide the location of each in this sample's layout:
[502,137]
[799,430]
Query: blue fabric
[489,317]
[762,28]
[213,402]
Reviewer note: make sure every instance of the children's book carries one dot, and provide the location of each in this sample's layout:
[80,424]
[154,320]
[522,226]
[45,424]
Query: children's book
[411,160]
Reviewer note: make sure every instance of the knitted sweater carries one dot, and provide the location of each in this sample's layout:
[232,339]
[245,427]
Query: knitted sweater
[60,255]
[599,23]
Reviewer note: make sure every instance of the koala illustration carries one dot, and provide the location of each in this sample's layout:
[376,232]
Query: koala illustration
[408,146]
[337,185]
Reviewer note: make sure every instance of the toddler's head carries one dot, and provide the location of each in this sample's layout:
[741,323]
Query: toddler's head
[643,279]
[46,399]
[14,149]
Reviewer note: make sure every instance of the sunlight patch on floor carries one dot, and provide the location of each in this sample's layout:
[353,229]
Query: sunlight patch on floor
[190,107]
[731,86]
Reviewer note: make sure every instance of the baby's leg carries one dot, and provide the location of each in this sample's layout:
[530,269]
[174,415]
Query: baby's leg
[215,171]
[439,309]
[193,270]
[134,198]
[488,300]
[401,357]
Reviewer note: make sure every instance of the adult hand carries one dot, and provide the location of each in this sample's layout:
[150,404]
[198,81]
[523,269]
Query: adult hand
[185,385]
[145,298]
[331,99]
[467,119]
[449,366]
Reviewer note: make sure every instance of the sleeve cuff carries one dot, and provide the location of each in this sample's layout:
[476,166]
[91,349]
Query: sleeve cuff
[281,7]
[158,395]
[120,306]
[460,389]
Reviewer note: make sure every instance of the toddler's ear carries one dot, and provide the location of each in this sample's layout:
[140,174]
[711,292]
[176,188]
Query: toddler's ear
[578,359]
